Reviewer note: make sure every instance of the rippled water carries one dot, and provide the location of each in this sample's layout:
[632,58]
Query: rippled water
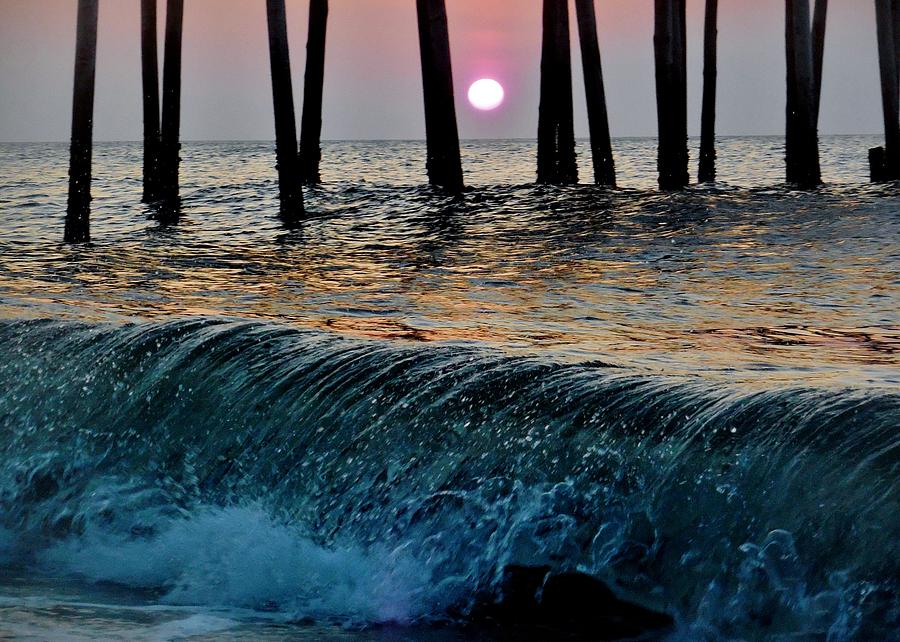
[748,281]
[694,397]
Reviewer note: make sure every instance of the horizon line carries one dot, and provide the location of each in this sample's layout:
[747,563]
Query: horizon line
[416,140]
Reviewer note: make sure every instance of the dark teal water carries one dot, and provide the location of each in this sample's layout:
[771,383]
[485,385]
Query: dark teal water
[225,428]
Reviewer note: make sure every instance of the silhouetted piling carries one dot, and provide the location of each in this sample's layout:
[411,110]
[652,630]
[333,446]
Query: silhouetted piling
[78,212]
[819,24]
[311,122]
[170,139]
[681,32]
[444,163]
[802,144]
[895,11]
[556,163]
[598,116]
[671,93]
[707,170]
[288,161]
[884,164]
[150,78]
[790,137]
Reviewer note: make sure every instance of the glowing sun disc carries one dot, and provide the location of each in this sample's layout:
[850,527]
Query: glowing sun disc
[486,94]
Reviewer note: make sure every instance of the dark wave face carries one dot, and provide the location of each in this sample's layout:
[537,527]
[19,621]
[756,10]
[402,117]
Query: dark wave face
[255,466]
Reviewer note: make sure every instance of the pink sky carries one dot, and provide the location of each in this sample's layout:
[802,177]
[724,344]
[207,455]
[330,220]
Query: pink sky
[373,89]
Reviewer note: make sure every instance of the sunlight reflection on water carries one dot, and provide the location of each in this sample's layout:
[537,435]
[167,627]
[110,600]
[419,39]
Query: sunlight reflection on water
[754,282]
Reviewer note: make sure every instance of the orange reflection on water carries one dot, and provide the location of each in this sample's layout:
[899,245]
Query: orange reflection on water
[739,283]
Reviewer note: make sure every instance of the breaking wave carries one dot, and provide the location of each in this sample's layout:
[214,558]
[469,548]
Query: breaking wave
[251,465]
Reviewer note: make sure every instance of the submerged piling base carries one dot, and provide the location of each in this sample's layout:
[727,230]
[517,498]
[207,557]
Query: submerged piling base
[168,196]
[879,172]
[78,211]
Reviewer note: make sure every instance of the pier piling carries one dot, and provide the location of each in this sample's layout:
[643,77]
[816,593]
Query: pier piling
[802,141]
[884,163]
[288,160]
[78,212]
[150,79]
[299,164]
[311,121]
[671,93]
[895,13]
[170,137]
[707,169]
[598,116]
[556,162]
[819,24]
[444,163]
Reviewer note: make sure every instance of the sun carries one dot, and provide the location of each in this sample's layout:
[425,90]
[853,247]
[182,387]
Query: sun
[486,94]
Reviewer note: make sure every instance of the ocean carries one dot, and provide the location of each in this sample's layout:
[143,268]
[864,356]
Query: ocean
[357,427]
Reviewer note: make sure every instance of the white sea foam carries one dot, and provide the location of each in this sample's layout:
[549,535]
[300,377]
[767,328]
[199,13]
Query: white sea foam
[241,557]
[191,626]
[38,618]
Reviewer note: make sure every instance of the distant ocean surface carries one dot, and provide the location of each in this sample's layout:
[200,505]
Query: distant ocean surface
[228,429]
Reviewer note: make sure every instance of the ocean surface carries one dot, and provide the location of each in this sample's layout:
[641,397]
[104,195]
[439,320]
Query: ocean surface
[225,428]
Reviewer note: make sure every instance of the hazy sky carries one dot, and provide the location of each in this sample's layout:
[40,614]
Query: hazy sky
[373,86]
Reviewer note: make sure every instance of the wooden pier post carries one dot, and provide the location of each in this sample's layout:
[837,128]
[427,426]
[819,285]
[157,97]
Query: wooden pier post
[444,163]
[790,136]
[707,170]
[820,22]
[671,93]
[78,212]
[288,161]
[170,138]
[802,143]
[556,162]
[311,121]
[598,116]
[895,11]
[885,162]
[681,18]
[150,78]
